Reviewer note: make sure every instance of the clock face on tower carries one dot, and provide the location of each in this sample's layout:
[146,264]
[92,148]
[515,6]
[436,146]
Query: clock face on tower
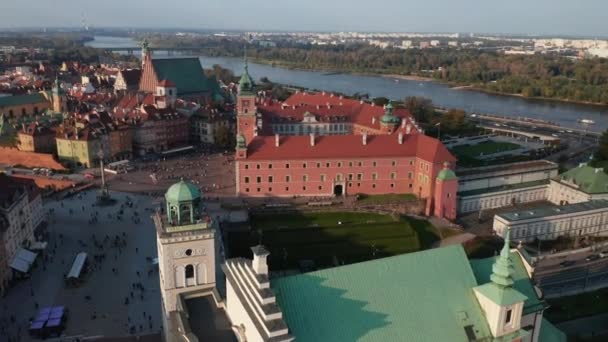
[184,253]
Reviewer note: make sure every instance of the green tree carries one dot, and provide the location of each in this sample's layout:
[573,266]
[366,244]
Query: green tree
[421,108]
[602,152]
[223,136]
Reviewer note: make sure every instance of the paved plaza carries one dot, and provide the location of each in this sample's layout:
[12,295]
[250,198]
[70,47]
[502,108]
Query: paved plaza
[120,253]
[212,173]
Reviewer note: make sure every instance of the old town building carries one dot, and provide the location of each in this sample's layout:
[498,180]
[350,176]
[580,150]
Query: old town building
[36,137]
[490,299]
[127,80]
[377,152]
[21,212]
[186,73]
[24,105]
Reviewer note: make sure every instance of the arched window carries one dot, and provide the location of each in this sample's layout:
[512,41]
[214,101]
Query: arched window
[189,271]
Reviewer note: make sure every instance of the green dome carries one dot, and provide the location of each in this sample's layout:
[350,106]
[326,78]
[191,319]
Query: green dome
[246,83]
[388,117]
[182,192]
[446,174]
[240,141]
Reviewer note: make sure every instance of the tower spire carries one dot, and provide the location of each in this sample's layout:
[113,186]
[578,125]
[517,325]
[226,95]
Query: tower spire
[502,268]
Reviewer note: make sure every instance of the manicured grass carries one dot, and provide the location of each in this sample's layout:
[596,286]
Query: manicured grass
[578,306]
[385,199]
[484,148]
[294,237]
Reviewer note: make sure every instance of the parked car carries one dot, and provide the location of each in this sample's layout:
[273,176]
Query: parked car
[592,257]
[604,254]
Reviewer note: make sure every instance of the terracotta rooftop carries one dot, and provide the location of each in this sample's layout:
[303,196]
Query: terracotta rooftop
[12,156]
[348,146]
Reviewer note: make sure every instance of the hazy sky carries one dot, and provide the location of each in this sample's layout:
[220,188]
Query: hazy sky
[575,17]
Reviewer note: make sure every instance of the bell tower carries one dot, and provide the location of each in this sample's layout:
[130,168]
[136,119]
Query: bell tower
[58,98]
[187,246]
[245,106]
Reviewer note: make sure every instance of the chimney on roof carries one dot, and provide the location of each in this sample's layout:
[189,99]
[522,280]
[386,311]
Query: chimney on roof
[364,138]
[361,101]
[373,120]
[341,97]
[323,93]
[331,95]
[276,140]
[312,139]
[408,129]
[318,107]
[403,121]
[259,264]
[373,104]
[400,138]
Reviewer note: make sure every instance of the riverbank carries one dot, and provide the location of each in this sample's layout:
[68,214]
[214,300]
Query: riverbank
[535,98]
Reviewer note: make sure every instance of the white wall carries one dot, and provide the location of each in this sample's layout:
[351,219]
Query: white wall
[500,180]
[490,200]
[238,315]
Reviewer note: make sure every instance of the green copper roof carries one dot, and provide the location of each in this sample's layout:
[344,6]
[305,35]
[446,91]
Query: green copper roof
[240,141]
[182,192]
[388,117]
[446,174]
[246,83]
[186,73]
[9,101]
[426,296]
[588,179]
[483,270]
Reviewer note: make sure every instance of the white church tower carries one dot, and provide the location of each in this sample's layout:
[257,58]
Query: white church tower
[187,247]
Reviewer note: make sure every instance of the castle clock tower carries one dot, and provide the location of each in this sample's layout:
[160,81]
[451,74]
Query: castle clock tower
[187,246]
[245,106]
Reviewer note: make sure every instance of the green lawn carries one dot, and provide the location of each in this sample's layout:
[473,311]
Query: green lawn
[385,199]
[573,307]
[484,148]
[293,237]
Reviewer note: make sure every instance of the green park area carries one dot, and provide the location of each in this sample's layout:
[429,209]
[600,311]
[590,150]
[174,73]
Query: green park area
[319,240]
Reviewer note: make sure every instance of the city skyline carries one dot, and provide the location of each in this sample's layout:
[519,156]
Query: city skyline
[539,18]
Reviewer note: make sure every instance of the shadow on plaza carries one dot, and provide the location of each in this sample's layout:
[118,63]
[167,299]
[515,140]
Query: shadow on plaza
[296,241]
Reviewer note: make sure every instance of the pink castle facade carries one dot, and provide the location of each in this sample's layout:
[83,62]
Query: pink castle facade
[356,148]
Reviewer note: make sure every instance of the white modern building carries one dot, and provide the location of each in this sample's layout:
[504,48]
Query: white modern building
[499,186]
[573,220]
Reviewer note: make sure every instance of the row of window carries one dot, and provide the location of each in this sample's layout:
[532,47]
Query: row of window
[310,128]
[320,187]
[350,177]
[338,164]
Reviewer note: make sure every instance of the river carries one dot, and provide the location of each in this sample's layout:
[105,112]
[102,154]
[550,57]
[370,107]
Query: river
[565,114]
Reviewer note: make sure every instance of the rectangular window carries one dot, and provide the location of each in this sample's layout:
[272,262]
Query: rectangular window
[374,176]
[305,178]
[287,178]
[259,179]
[328,165]
[360,164]
[350,176]
[246,166]
[509,316]
[359,176]
[270,166]
[304,165]
[411,162]
[269,189]
[322,178]
[318,165]
[394,163]
[374,164]
[287,166]
[393,175]
[257,166]
[269,179]
[410,175]
[339,164]
[246,180]
[350,164]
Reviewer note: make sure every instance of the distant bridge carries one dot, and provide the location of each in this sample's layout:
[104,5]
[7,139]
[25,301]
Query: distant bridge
[168,50]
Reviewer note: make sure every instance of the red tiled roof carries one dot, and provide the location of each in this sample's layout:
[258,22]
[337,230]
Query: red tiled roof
[12,156]
[166,84]
[348,146]
[326,108]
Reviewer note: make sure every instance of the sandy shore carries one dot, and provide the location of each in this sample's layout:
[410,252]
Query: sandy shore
[410,77]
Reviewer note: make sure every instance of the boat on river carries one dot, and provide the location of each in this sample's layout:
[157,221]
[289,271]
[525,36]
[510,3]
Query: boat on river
[586,121]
